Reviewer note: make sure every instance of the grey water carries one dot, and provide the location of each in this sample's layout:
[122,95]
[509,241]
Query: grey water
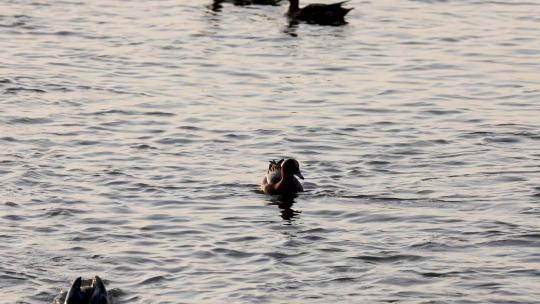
[134,135]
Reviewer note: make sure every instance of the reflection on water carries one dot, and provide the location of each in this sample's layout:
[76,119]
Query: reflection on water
[291,28]
[134,136]
[285,204]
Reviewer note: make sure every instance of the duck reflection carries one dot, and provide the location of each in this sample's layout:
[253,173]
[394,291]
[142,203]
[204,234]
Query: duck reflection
[291,28]
[285,203]
[217,5]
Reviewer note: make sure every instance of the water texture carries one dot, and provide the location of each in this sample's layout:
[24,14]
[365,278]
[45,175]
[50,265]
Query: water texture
[134,134]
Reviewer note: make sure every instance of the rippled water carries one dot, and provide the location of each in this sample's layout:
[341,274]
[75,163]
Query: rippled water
[134,135]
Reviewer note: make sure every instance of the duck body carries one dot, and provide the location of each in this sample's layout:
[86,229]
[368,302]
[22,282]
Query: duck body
[280,178]
[324,14]
[93,294]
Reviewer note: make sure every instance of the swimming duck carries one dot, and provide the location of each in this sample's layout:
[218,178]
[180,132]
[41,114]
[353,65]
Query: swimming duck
[280,178]
[93,294]
[324,14]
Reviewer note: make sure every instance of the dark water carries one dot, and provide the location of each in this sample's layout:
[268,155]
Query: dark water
[134,135]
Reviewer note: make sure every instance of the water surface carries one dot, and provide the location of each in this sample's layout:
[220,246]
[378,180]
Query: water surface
[134,135]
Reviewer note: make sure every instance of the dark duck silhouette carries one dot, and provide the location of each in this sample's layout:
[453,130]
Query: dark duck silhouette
[280,178]
[93,294]
[324,14]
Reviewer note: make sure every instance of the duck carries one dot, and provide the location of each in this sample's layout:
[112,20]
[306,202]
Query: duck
[280,178]
[324,14]
[96,293]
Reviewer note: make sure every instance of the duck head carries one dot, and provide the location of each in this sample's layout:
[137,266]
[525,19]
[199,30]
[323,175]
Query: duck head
[294,6]
[290,168]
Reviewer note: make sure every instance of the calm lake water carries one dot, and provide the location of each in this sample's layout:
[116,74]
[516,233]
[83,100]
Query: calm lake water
[134,135]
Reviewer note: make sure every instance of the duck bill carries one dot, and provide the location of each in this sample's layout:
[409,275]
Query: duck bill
[299,174]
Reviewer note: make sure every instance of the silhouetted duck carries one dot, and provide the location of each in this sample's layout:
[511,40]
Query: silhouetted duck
[325,14]
[93,294]
[280,178]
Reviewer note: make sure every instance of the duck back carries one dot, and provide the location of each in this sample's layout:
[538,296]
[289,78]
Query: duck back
[325,14]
